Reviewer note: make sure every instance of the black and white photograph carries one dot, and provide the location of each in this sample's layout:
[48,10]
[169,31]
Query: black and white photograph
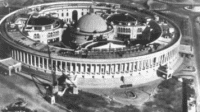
[100,55]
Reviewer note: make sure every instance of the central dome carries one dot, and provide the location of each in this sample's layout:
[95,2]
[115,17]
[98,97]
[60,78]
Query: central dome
[91,23]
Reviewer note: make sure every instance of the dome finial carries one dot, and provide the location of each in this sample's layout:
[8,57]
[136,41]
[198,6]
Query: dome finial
[91,7]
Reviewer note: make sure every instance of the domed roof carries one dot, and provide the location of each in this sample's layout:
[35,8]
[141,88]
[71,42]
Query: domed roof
[91,23]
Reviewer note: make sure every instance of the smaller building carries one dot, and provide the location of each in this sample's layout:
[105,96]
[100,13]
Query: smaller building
[10,65]
[186,50]
[44,29]
[126,27]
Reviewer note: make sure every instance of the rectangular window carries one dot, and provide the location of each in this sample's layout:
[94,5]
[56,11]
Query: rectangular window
[38,28]
[139,30]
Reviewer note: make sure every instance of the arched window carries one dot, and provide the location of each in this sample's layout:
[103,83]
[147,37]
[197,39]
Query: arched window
[129,30]
[38,36]
[126,30]
[75,15]
[34,36]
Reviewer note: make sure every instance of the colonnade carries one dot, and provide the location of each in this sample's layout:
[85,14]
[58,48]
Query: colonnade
[86,68]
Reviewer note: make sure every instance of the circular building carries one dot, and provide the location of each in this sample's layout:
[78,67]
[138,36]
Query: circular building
[42,29]
[108,51]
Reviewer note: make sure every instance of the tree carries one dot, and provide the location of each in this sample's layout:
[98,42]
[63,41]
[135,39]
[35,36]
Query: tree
[168,98]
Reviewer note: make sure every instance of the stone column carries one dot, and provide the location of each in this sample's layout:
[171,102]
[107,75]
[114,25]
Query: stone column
[121,68]
[139,64]
[91,69]
[27,58]
[96,69]
[133,66]
[39,66]
[81,69]
[76,67]
[15,54]
[168,56]
[116,69]
[147,64]
[130,66]
[144,64]
[113,69]
[125,67]
[103,67]
[47,63]
[43,63]
[35,61]
[106,69]
[18,55]
[31,59]
[24,57]
[71,68]
[158,60]
[100,69]
[20,58]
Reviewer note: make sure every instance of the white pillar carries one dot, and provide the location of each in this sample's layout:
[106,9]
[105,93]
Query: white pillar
[43,64]
[130,66]
[24,57]
[76,67]
[96,69]
[31,59]
[121,68]
[139,63]
[47,63]
[27,58]
[81,65]
[150,62]
[133,66]
[35,61]
[39,66]
[20,58]
[113,69]
[125,67]
[71,67]
[15,54]
[116,68]
[142,64]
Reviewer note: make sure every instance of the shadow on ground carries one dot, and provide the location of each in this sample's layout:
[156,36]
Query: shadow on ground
[88,102]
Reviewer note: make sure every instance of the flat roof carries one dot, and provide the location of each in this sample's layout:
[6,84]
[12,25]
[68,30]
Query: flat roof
[8,62]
